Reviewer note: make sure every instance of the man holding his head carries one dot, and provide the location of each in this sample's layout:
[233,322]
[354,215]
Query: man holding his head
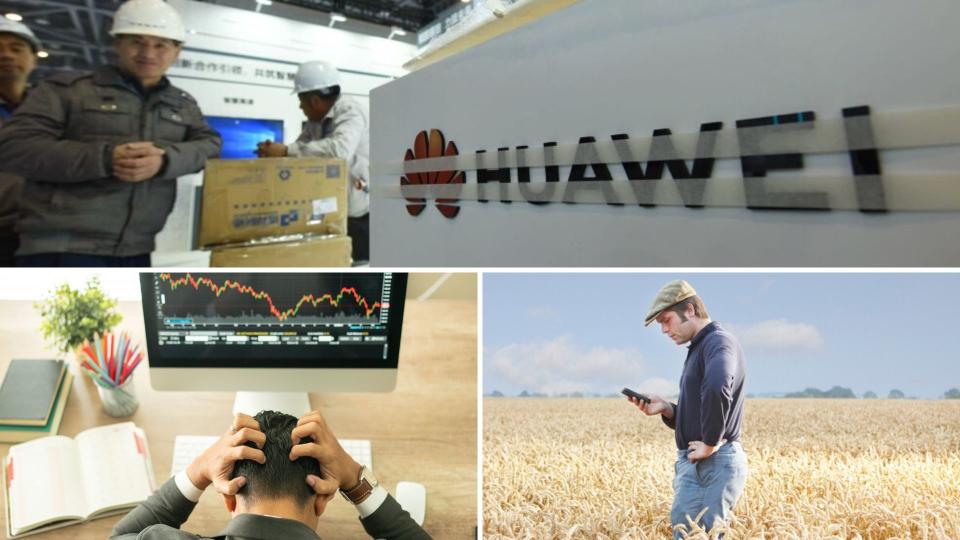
[337,126]
[101,151]
[711,467]
[276,475]
[18,58]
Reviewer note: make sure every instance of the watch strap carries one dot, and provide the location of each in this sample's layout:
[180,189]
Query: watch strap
[361,491]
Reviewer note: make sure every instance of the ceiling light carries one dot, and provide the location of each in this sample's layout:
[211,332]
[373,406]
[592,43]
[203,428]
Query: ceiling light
[14,17]
[335,18]
[43,54]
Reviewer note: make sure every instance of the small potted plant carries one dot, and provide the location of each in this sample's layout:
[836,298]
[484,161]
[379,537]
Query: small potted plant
[70,316]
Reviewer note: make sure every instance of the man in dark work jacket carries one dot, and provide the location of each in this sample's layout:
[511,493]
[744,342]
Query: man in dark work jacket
[18,58]
[100,152]
[711,467]
[273,488]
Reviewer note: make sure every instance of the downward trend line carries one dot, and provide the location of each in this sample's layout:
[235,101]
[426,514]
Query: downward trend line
[218,290]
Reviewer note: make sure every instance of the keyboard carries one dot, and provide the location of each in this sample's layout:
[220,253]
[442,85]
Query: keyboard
[187,447]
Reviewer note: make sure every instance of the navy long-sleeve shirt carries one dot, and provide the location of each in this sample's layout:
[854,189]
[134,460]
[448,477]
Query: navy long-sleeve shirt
[710,407]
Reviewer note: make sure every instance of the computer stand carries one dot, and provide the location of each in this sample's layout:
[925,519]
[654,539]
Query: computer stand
[292,403]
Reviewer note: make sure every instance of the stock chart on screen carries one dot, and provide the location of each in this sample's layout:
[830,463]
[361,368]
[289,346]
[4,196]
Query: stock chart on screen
[226,315]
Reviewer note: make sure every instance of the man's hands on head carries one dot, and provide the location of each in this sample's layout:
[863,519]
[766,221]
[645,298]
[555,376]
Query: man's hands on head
[339,470]
[657,405]
[137,161]
[215,464]
[270,149]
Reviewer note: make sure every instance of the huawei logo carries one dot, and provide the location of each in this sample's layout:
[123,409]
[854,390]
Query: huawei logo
[425,146]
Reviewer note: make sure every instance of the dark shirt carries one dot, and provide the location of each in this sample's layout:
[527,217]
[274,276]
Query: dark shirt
[710,407]
[7,109]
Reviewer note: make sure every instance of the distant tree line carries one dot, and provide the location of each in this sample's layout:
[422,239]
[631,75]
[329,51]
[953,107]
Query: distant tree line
[526,393]
[838,392]
[835,392]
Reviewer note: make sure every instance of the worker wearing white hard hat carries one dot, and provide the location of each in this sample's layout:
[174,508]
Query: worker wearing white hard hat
[18,59]
[8,26]
[338,126]
[316,76]
[147,36]
[101,151]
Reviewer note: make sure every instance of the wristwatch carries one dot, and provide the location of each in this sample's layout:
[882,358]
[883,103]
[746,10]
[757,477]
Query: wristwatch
[364,487]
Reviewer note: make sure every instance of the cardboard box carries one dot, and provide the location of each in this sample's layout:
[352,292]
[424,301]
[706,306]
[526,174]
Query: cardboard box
[324,252]
[246,199]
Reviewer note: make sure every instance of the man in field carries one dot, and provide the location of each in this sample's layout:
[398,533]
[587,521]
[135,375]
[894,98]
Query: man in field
[711,467]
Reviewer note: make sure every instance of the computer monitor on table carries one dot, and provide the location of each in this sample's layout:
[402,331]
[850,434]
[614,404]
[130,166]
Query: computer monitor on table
[273,337]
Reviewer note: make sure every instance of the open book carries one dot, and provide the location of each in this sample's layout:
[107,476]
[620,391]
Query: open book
[58,481]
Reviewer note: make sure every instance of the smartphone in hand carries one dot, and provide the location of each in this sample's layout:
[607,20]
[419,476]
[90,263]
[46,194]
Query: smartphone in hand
[636,395]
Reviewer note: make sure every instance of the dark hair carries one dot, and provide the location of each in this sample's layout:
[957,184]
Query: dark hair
[680,308]
[330,93]
[278,478]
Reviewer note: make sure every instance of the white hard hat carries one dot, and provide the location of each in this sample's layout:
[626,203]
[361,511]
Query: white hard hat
[316,75]
[149,18]
[20,30]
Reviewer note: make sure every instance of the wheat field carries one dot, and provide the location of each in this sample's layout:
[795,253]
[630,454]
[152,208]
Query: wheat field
[819,468]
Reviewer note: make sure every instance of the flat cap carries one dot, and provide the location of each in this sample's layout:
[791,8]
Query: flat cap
[671,293]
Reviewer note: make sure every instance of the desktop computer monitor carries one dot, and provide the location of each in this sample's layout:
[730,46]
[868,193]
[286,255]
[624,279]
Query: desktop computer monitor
[273,336]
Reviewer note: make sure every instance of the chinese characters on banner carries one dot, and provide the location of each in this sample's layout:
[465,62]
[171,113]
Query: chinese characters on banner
[194,64]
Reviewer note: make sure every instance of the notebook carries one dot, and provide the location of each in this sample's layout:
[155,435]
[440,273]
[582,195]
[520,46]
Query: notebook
[16,434]
[29,390]
[58,481]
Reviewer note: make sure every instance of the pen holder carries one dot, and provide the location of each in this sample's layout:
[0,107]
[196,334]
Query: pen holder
[120,401]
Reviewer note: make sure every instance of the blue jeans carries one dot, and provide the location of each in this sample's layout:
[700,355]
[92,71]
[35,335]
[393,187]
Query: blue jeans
[714,483]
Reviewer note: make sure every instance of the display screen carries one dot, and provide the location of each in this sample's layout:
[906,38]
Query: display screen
[241,135]
[273,319]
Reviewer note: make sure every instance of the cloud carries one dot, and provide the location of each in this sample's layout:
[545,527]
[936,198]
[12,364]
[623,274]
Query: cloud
[558,365]
[779,335]
[658,386]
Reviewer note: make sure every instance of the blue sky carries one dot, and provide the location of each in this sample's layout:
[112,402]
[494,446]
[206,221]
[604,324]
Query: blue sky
[567,332]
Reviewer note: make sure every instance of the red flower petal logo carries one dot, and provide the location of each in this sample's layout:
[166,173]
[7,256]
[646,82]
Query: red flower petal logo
[425,146]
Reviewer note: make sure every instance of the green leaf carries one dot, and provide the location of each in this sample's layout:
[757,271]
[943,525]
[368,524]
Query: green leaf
[69,317]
